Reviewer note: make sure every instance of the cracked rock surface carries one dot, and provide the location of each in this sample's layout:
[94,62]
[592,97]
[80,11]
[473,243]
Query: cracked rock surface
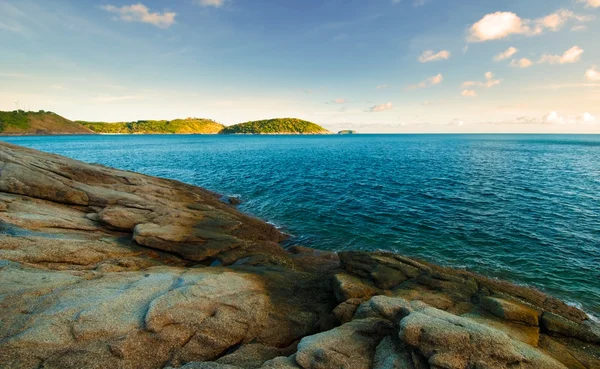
[102,268]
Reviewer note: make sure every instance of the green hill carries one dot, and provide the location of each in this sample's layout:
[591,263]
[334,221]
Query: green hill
[276,126]
[178,126]
[42,122]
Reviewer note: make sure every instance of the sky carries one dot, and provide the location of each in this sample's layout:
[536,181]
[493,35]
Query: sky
[390,66]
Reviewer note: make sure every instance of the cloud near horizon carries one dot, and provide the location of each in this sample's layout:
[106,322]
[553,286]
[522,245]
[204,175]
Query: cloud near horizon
[380,108]
[141,14]
[592,74]
[469,93]
[338,101]
[499,25]
[430,55]
[431,81]
[554,118]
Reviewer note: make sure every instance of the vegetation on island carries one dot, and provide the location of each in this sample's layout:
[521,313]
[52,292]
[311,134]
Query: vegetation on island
[45,123]
[177,126]
[276,126]
[38,122]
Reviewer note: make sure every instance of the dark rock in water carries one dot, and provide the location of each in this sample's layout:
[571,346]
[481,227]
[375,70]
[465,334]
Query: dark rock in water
[101,268]
[231,200]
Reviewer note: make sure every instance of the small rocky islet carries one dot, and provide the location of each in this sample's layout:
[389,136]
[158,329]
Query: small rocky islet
[103,268]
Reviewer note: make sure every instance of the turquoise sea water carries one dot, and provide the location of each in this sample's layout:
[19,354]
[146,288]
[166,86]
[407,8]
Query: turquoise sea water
[520,207]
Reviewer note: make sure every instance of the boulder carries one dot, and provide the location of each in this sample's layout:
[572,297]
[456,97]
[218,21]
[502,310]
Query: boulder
[556,324]
[449,341]
[346,286]
[351,345]
[510,310]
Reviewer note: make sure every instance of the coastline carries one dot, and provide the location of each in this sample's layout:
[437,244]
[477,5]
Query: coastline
[73,228]
[162,133]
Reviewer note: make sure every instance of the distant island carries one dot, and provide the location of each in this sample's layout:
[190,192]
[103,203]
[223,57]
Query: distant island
[42,122]
[20,122]
[177,126]
[276,126]
[347,132]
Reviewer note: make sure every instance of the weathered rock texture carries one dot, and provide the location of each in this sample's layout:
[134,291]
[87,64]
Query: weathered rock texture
[101,268]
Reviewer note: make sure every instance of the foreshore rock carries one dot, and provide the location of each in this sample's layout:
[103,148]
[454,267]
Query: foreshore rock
[102,268]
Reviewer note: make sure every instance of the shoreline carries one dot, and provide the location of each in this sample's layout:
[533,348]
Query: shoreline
[195,280]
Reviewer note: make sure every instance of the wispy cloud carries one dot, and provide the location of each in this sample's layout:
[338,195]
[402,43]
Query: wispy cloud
[213,3]
[555,118]
[430,55]
[141,14]
[415,3]
[469,93]
[431,81]
[521,63]
[380,108]
[15,76]
[590,3]
[489,82]
[573,55]
[383,87]
[499,25]
[431,103]
[509,53]
[110,99]
[338,101]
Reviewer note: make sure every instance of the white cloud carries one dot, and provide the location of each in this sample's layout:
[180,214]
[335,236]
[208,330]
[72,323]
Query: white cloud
[380,108]
[140,13]
[431,81]
[591,3]
[469,93]
[499,25]
[430,55]
[213,3]
[383,87]
[338,101]
[555,118]
[578,28]
[506,54]
[489,82]
[521,63]
[496,26]
[573,55]
[593,74]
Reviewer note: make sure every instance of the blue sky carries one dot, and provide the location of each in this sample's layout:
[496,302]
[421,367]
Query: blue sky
[374,66]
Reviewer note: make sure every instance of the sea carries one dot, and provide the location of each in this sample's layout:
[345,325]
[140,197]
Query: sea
[524,208]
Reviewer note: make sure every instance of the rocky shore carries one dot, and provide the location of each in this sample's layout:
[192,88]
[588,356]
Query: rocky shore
[102,268]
